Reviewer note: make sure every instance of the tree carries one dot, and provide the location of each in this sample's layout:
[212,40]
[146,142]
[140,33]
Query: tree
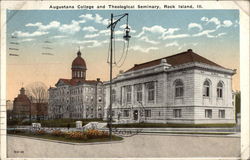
[38,94]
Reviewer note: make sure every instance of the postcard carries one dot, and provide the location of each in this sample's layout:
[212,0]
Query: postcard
[125,79]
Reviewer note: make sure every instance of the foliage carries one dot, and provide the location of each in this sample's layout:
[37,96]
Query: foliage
[57,133]
[92,134]
[162,125]
[40,132]
[76,135]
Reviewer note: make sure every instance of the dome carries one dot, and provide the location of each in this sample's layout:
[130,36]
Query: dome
[79,62]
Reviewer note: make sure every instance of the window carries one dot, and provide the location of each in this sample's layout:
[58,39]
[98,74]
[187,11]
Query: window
[151,91]
[147,113]
[138,92]
[221,113]
[126,113]
[113,95]
[219,90]
[128,94]
[178,88]
[206,88]
[100,99]
[208,113]
[177,113]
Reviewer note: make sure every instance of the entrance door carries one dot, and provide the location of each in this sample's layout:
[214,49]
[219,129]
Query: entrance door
[135,115]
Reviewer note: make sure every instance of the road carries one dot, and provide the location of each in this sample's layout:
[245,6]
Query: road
[135,146]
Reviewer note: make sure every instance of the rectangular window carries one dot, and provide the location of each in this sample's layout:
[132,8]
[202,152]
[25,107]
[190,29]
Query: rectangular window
[178,91]
[147,113]
[219,92]
[221,113]
[208,113]
[151,91]
[128,94]
[138,92]
[126,113]
[177,113]
[206,91]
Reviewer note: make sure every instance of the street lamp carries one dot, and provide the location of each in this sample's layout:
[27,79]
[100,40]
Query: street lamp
[126,37]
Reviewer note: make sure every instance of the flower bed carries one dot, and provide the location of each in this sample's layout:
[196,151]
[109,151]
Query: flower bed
[73,136]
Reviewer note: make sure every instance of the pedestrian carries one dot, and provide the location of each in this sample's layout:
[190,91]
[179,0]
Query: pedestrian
[68,126]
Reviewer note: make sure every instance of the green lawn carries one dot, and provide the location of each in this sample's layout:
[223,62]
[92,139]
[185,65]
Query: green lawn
[57,138]
[160,125]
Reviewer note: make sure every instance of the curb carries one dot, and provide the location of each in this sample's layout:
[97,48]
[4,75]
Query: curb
[63,142]
[190,135]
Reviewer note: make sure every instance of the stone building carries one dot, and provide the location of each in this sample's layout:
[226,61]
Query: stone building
[182,88]
[76,97]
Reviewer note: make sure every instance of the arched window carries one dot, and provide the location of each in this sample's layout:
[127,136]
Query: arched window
[220,90]
[179,89]
[206,89]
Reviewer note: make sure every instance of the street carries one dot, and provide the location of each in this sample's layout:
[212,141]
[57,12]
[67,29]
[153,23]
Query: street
[155,145]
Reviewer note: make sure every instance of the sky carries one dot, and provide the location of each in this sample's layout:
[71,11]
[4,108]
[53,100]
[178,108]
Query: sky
[47,41]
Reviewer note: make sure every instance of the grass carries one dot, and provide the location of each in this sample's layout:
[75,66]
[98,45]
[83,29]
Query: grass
[57,138]
[170,125]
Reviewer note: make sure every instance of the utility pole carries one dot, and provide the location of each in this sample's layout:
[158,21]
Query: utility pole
[126,37]
[110,78]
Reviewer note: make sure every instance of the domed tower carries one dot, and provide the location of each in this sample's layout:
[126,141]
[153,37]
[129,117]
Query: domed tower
[79,67]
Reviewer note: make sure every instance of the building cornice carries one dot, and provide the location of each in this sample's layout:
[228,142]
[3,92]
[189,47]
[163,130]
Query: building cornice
[167,68]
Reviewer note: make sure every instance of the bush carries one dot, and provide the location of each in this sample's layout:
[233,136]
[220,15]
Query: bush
[57,133]
[15,131]
[40,132]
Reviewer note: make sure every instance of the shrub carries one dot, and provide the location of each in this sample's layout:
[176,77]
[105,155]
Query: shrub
[57,133]
[15,131]
[40,132]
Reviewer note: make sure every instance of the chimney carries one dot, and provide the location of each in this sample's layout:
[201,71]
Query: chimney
[190,50]
[98,79]
[163,60]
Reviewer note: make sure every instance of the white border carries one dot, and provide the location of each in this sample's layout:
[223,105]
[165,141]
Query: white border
[244,55]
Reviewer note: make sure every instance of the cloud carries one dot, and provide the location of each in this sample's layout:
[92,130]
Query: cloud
[145,38]
[27,40]
[227,23]
[27,34]
[217,22]
[195,25]
[59,36]
[145,50]
[154,29]
[97,18]
[70,28]
[91,35]
[176,36]
[204,19]
[90,29]
[91,43]
[53,24]
[206,33]
[221,34]
[172,44]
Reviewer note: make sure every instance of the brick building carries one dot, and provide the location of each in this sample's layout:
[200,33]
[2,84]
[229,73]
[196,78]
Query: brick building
[23,108]
[76,97]
[182,88]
